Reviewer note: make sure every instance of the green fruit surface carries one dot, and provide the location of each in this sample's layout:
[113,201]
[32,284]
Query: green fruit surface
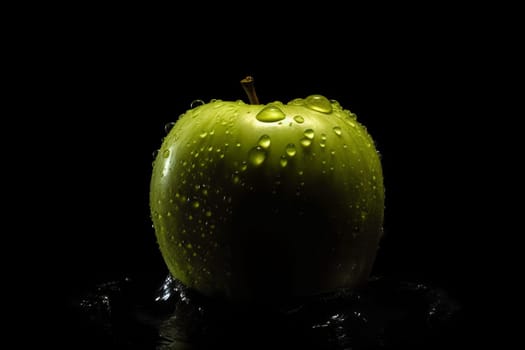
[268,201]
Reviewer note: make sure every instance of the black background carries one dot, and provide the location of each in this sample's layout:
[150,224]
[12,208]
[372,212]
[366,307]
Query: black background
[107,86]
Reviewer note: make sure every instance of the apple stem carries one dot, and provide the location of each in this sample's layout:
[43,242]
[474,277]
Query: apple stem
[249,88]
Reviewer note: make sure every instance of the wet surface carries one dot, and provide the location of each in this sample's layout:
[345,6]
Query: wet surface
[387,314]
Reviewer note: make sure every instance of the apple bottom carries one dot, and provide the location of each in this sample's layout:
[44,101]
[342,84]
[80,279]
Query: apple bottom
[278,252]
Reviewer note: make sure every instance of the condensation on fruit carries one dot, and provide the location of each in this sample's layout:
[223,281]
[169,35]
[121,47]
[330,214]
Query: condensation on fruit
[270,114]
[257,156]
[264,142]
[319,103]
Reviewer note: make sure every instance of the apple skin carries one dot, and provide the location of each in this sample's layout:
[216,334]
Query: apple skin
[268,202]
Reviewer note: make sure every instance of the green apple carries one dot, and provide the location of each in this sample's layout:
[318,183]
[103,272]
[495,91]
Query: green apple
[255,202]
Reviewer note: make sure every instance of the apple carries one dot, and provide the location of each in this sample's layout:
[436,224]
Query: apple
[254,202]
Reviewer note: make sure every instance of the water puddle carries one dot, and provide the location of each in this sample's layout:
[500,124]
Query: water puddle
[388,314]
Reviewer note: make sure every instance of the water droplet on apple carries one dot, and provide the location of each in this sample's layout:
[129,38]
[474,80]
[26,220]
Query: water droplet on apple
[270,114]
[236,179]
[299,119]
[309,133]
[264,142]
[305,142]
[319,103]
[290,150]
[336,105]
[155,153]
[244,166]
[168,127]
[196,103]
[349,114]
[203,134]
[283,161]
[296,102]
[196,204]
[166,153]
[257,156]
[337,130]
[323,141]
[208,213]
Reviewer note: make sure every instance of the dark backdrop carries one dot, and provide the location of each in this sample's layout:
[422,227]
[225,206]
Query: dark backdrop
[108,90]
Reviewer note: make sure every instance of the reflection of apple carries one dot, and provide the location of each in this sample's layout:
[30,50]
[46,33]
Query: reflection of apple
[276,200]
